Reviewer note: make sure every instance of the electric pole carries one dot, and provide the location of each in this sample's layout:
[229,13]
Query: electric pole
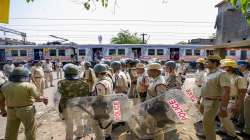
[143,37]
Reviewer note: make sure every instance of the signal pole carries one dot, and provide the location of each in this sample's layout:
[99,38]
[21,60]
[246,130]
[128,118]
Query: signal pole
[143,37]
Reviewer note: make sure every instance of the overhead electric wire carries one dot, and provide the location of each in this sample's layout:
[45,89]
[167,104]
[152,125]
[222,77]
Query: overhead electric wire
[113,20]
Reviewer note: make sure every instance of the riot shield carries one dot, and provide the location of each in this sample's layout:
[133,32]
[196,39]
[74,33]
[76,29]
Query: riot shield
[160,114]
[113,107]
[190,88]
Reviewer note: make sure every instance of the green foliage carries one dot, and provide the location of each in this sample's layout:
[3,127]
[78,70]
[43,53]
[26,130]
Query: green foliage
[243,6]
[29,1]
[125,37]
[182,42]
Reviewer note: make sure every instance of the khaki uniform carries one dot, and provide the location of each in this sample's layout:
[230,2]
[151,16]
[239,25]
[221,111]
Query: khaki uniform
[104,86]
[246,105]
[59,70]
[89,77]
[156,87]
[173,82]
[142,85]
[19,99]
[70,89]
[8,68]
[120,82]
[47,68]
[212,88]
[37,75]
[181,69]
[237,83]
[133,77]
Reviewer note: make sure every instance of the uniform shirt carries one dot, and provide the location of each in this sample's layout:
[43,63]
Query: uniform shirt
[128,78]
[142,83]
[200,77]
[18,94]
[37,72]
[72,88]
[157,86]
[181,69]
[47,67]
[247,77]
[104,86]
[133,75]
[215,81]
[120,82]
[237,83]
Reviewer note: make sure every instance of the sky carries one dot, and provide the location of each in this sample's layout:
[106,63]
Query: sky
[164,21]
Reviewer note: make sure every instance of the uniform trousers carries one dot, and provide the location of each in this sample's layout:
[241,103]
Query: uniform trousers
[48,78]
[16,116]
[247,114]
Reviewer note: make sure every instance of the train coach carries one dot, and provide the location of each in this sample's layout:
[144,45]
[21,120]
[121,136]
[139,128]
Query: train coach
[66,53]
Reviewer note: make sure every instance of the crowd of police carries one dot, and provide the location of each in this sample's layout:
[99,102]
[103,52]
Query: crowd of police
[222,83]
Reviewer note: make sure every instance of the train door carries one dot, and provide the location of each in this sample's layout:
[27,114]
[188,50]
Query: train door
[136,52]
[2,55]
[243,54]
[174,54]
[38,54]
[97,54]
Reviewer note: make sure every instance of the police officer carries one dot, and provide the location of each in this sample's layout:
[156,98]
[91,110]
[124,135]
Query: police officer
[72,86]
[119,78]
[48,69]
[88,75]
[157,84]
[103,86]
[172,80]
[238,90]
[37,76]
[58,67]
[131,70]
[142,81]
[200,78]
[156,87]
[20,95]
[216,93]
[8,68]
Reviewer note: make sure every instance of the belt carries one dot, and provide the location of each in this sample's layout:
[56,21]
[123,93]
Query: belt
[10,107]
[38,77]
[47,71]
[213,98]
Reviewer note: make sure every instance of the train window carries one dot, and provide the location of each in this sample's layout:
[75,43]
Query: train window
[112,52]
[52,52]
[14,52]
[160,51]
[82,52]
[188,51]
[197,52]
[121,51]
[23,52]
[151,51]
[61,52]
[232,52]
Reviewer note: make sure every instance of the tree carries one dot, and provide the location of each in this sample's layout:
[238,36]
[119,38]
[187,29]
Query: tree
[182,42]
[125,37]
[243,6]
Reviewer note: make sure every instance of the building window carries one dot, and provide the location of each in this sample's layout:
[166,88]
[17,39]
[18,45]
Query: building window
[160,51]
[61,52]
[232,53]
[52,52]
[112,52]
[23,52]
[197,52]
[82,52]
[14,52]
[188,52]
[151,51]
[121,51]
